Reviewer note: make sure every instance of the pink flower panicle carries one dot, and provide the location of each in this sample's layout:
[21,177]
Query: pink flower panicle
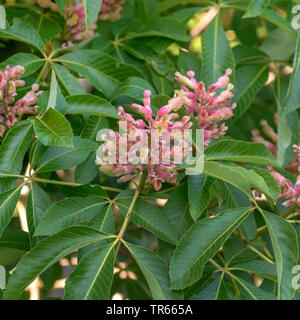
[289,192]
[75,18]
[76,25]
[153,152]
[10,110]
[111,10]
[47,4]
[207,105]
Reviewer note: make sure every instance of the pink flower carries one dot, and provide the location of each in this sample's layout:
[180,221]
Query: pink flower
[289,192]
[9,110]
[111,9]
[135,151]
[206,105]
[163,110]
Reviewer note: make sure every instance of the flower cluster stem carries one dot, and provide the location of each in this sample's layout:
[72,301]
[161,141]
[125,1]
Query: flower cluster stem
[138,191]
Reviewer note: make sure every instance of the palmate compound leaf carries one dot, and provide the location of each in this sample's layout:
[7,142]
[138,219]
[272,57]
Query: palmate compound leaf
[92,278]
[200,244]
[155,270]
[286,250]
[46,253]
[66,212]
[148,216]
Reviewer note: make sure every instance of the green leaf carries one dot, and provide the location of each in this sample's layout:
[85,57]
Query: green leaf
[167,4]
[2,18]
[217,55]
[86,190]
[92,105]
[288,129]
[162,27]
[103,221]
[103,71]
[29,61]
[45,25]
[61,158]
[240,151]
[255,180]
[276,19]
[37,203]
[293,97]
[67,80]
[91,10]
[53,129]
[14,147]
[249,81]
[15,239]
[272,17]
[184,15]
[213,291]
[199,194]
[46,253]
[261,268]
[92,278]
[278,45]
[64,213]
[235,198]
[61,4]
[23,32]
[177,210]
[245,55]
[286,250]
[272,184]
[228,174]
[155,270]
[254,292]
[87,170]
[2,279]
[53,92]
[8,203]
[148,216]
[188,61]
[256,8]
[92,126]
[209,235]
[146,10]
[134,88]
